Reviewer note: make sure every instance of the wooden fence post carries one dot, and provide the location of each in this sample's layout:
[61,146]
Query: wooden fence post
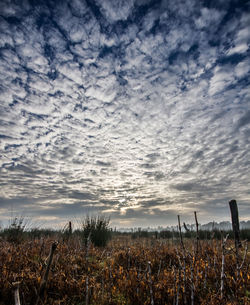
[197,234]
[181,239]
[235,222]
[46,274]
[70,227]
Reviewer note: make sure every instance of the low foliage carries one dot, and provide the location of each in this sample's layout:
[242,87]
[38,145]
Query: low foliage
[121,274]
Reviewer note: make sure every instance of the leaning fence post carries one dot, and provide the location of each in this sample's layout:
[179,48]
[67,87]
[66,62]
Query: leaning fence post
[46,274]
[235,222]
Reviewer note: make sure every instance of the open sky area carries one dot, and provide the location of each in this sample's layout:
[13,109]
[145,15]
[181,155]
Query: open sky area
[134,109]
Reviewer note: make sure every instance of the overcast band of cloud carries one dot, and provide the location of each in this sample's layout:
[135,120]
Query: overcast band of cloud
[135,109]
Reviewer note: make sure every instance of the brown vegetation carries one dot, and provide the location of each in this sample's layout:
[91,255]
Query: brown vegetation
[144,271]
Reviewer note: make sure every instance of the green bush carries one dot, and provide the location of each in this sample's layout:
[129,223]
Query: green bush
[97,230]
[141,234]
[169,234]
[37,233]
[245,234]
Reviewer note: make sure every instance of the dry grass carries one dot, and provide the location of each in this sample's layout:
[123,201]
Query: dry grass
[121,274]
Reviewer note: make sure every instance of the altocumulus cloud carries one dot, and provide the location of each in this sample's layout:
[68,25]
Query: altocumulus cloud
[134,109]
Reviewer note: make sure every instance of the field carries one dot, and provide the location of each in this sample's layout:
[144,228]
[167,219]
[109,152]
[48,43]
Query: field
[126,271]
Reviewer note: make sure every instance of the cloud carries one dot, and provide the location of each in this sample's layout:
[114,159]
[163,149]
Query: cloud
[116,10]
[130,108]
[83,196]
[244,120]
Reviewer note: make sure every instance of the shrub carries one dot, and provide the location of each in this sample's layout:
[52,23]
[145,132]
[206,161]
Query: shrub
[245,234]
[15,232]
[141,234]
[169,234]
[37,233]
[97,230]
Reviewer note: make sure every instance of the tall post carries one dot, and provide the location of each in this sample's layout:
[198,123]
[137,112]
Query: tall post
[181,239]
[197,233]
[70,227]
[235,222]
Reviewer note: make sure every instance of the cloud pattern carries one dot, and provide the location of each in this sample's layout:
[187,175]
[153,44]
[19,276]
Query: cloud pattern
[134,109]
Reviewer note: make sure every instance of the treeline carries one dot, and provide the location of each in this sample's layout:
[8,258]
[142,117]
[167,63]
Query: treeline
[203,234]
[99,233]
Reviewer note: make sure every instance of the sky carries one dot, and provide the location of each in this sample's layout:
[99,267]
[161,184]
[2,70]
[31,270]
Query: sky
[138,110]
